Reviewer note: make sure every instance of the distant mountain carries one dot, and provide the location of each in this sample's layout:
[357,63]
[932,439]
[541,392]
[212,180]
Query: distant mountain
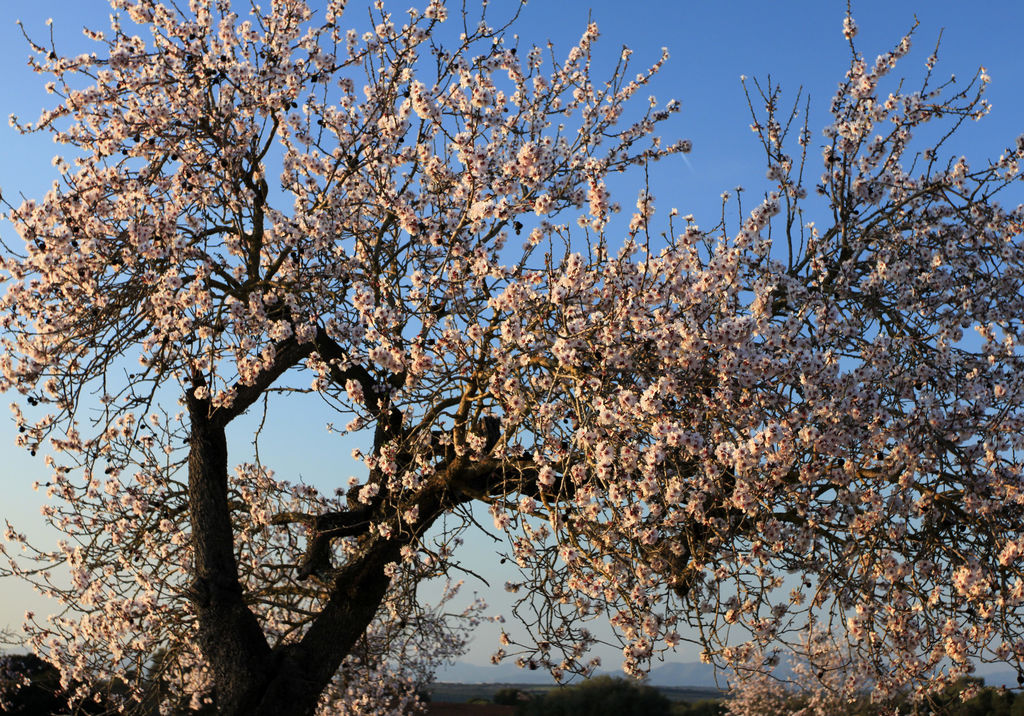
[690,673]
[997,675]
[684,673]
[673,673]
[504,673]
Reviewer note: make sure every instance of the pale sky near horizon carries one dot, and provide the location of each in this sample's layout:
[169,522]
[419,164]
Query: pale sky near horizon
[797,42]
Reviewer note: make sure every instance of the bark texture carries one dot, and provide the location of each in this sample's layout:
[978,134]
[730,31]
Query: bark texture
[229,634]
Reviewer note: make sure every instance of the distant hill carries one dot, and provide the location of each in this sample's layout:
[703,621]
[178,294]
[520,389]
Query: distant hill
[685,673]
[460,693]
[505,673]
[679,674]
[689,673]
[997,675]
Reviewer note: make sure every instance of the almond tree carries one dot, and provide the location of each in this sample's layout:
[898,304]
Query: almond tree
[243,217]
[267,210]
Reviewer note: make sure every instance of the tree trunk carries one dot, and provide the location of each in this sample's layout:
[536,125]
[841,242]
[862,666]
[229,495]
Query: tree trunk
[250,678]
[303,670]
[230,636]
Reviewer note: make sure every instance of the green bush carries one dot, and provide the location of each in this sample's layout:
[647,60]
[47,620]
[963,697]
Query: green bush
[510,696]
[704,707]
[602,696]
[987,702]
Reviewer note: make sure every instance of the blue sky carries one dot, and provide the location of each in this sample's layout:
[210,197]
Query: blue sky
[797,42]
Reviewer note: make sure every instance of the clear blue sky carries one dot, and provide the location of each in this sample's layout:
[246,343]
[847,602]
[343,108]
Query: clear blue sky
[798,42]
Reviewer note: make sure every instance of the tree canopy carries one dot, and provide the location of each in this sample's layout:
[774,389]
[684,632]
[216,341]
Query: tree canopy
[413,226]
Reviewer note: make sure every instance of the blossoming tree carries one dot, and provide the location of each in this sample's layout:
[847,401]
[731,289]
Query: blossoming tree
[412,226]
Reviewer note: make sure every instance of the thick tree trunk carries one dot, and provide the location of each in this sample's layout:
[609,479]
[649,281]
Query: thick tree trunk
[229,634]
[249,677]
[303,670]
